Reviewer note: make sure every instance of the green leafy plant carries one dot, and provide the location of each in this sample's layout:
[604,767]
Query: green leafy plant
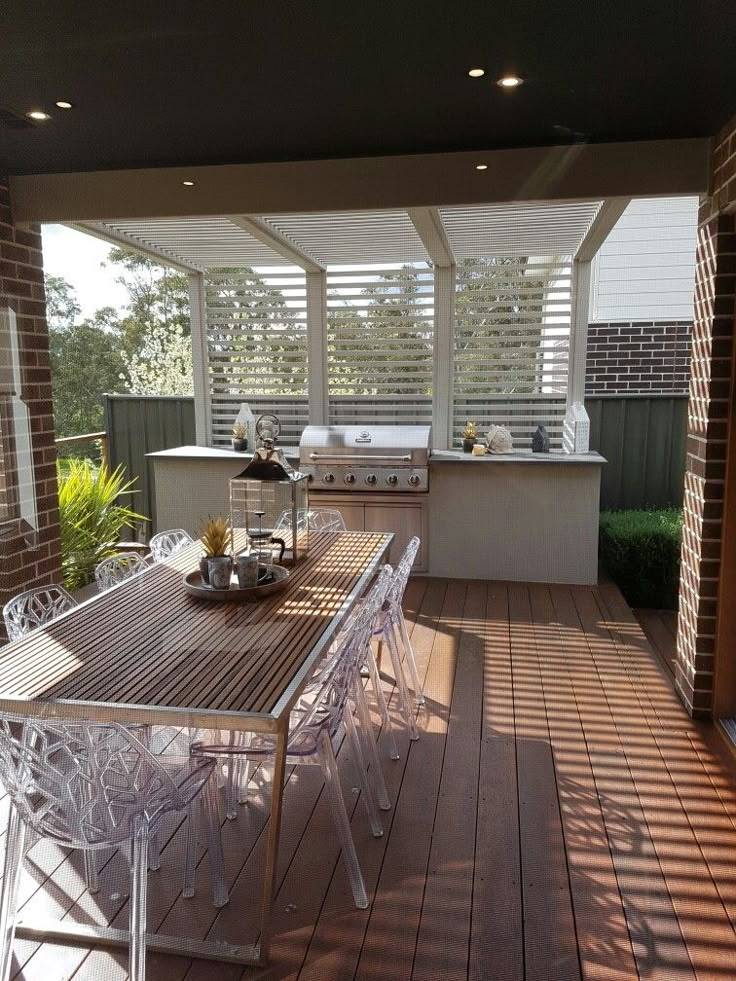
[640,551]
[239,430]
[91,517]
[216,537]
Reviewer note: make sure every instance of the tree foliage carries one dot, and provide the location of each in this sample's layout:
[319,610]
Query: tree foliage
[143,349]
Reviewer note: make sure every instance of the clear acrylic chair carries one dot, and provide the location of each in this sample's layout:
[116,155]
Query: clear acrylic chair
[315,727]
[35,608]
[89,787]
[392,614]
[390,619]
[168,543]
[117,569]
[313,519]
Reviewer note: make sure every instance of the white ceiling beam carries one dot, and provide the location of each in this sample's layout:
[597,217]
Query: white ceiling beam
[115,237]
[591,172]
[601,227]
[431,230]
[268,235]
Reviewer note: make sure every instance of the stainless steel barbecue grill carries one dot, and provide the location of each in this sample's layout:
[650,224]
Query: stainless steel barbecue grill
[366,458]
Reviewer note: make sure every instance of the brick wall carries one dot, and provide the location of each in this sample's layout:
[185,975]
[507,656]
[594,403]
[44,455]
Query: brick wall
[21,289]
[642,357]
[710,391]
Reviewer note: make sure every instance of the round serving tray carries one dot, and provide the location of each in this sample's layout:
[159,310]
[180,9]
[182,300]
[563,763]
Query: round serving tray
[277,581]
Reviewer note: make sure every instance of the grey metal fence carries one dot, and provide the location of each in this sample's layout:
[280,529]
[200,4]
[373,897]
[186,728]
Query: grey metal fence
[141,424]
[642,437]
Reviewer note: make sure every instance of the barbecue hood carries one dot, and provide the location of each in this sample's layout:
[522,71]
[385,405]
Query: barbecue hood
[364,440]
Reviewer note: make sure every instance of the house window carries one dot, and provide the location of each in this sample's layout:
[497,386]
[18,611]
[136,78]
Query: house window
[18,510]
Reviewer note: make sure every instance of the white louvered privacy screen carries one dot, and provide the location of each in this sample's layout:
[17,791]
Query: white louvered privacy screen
[380,338]
[512,334]
[475,301]
[257,347]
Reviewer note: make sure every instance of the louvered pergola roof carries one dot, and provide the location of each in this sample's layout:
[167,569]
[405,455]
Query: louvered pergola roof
[317,241]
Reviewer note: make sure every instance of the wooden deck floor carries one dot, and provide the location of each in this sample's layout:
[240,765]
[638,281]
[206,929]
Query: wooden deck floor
[560,818]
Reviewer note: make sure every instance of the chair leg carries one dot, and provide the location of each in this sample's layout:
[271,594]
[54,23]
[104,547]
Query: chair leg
[90,871]
[231,790]
[242,779]
[220,895]
[342,823]
[407,708]
[409,657]
[374,820]
[370,744]
[393,750]
[138,883]
[9,898]
[191,856]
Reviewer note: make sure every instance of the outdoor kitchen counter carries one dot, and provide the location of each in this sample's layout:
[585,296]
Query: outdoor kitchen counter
[530,517]
[523,516]
[192,482]
[518,456]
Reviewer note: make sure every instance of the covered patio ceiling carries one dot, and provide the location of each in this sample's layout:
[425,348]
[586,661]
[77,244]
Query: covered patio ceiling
[316,241]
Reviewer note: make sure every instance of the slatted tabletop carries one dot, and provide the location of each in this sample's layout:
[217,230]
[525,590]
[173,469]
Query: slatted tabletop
[148,651]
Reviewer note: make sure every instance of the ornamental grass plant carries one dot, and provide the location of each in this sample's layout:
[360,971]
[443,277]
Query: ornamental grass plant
[92,515]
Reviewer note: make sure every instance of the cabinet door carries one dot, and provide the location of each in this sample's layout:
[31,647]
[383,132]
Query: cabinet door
[351,510]
[352,515]
[405,521]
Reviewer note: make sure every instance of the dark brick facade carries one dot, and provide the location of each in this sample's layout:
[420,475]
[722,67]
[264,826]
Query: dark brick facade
[22,289]
[711,388]
[638,358]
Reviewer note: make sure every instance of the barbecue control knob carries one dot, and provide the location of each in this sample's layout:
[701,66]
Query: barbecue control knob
[415,480]
[329,478]
[349,478]
[371,478]
[392,479]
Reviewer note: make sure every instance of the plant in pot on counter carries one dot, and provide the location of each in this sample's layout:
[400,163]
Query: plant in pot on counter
[469,436]
[239,439]
[216,564]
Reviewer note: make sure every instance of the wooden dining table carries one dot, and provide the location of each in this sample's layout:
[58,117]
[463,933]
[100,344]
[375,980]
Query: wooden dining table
[146,651]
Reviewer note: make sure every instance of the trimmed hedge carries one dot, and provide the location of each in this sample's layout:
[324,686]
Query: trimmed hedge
[640,551]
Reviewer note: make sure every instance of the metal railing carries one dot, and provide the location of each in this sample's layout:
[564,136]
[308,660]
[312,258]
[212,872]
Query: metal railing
[99,438]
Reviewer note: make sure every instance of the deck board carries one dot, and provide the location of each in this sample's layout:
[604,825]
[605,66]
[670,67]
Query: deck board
[560,817]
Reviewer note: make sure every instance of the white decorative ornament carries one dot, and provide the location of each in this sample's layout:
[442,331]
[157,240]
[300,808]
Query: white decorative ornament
[499,440]
[249,421]
[576,429]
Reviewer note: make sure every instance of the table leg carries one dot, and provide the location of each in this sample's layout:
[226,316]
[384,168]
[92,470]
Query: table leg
[272,854]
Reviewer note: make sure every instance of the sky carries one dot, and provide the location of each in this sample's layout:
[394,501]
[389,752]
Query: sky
[79,259]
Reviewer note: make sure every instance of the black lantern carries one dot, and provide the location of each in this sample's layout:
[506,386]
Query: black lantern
[267,499]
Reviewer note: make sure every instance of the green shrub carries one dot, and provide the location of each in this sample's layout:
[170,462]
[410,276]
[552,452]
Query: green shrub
[91,517]
[640,551]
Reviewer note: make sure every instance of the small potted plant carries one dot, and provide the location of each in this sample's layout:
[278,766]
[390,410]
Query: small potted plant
[216,564]
[469,436]
[239,439]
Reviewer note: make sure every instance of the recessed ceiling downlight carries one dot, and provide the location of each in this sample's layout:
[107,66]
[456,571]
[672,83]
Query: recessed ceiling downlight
[510,81]
[481,166]
[188,183]
[38,114]
[477,72]
[63,104]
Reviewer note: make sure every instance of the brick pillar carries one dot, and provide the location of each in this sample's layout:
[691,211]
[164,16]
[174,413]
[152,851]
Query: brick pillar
[711,388]
[22,289]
